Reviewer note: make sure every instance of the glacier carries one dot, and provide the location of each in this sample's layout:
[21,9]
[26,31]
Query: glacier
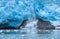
[14,12]
[48,11]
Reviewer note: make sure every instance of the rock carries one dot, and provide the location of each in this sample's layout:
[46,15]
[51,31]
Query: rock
[44,25]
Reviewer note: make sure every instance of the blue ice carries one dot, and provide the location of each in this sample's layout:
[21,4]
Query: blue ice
[14,12]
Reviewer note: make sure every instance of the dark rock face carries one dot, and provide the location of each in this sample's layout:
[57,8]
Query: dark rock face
[44,25]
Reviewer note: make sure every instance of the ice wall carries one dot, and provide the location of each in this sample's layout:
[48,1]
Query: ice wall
[14,12]
[48,11]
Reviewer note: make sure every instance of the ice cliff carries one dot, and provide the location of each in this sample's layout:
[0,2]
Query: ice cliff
[14,12]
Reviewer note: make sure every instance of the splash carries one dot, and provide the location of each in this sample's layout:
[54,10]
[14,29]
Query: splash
[31,25]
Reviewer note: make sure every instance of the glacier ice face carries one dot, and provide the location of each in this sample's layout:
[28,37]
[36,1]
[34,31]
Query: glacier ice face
[49,12]
[14,12]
